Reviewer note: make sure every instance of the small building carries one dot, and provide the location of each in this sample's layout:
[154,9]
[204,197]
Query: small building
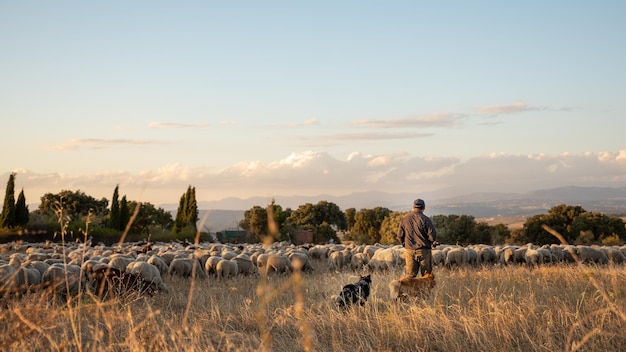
[232,236]
[302,237]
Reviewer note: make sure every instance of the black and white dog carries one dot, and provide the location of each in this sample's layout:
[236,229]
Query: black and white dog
[355,293]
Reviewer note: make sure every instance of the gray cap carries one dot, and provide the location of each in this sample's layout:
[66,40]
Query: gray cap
[419,203]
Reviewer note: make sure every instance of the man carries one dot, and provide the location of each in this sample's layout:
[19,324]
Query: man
[418,235]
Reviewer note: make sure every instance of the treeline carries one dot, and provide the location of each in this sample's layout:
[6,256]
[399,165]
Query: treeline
[79,214]
[380,225]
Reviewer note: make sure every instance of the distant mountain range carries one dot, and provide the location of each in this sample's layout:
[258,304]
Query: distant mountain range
[226,213]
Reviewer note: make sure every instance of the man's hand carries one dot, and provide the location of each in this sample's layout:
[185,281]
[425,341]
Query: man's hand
[435,244]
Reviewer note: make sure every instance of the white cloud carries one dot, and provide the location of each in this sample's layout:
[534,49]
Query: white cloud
[423,121]
[97,143]
[314,173]
[516,107]
[157,124]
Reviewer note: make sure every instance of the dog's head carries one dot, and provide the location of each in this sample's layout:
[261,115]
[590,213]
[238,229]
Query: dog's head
[366,279]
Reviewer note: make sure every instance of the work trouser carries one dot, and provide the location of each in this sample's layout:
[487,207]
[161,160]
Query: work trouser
[416,259]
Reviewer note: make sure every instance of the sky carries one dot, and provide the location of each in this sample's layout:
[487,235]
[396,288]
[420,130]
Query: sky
[282,98]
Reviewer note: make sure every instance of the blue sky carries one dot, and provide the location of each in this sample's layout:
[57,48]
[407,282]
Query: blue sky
[249,98]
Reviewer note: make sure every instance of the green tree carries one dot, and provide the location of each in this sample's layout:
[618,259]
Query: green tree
[324,232]
[21,210]
[367,224]
[7,218]
[191,209]
[350,213]
[180,215]
[574,223]
[75,203]
[500,233]
[255,222]
[187,213]
[124,213]
[311,217]
[389,227]
[148,216]
[455,229]
[482,234]
[115,221]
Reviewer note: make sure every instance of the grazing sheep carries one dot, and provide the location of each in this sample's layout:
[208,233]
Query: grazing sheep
[591,255]
[159,263]
[64,281]
[278,263]
[120,262]
[487,255]
[261,262]
[148,273]
[439,257]
[300,262]
[456,257]
[384,259]
[506,256]
[8,280]
[359,261]
[245,264]
[110,282]
[533,256]
[335,261]
[614,255]
[210,267]
[226,268]
[187,267]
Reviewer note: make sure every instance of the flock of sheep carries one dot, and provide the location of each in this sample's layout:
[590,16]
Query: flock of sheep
[67,270]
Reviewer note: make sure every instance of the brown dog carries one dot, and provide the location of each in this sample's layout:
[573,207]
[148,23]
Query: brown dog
[412,287]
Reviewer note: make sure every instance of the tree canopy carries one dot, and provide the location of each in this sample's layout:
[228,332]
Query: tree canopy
[7,218]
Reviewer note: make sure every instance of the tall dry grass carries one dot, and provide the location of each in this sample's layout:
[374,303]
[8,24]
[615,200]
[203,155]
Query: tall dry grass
[507,309]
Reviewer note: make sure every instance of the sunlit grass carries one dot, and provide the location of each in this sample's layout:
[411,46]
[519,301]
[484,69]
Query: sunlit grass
[509,309]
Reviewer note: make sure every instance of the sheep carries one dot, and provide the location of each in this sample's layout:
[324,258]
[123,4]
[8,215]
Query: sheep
[187,267]
[300,262]
[335,261]
[110,282]
[149,273]
[245,264]
[359,261]
[278,263]
[64,281]
[159,263]
[120,262]
[456,257]
[226,268]
[384,259]
[211,265]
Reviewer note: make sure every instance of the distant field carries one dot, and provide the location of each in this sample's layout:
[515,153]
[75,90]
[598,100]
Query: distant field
[511,222]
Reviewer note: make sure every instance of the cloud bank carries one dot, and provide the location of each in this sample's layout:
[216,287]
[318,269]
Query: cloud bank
[314,173]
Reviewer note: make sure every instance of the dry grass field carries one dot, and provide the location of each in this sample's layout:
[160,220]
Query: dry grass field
[557,308]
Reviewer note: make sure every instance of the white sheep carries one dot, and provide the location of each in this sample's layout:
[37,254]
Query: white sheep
[149,273]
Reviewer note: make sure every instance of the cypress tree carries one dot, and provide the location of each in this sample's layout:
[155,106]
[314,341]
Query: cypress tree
[179,222]
[7,218]
[191,213]
[21,210]
[115,220]
[124,213]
